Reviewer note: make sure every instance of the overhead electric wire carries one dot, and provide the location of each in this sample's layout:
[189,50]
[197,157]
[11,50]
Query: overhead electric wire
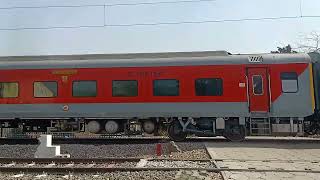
[160,23]
[107,5]
[159,2]
[105,24]
[56,6]
[207,21]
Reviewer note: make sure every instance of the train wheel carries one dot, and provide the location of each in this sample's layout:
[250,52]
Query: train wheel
[94,127]
[235,133]
[112,127]
[149,127]
[175,132]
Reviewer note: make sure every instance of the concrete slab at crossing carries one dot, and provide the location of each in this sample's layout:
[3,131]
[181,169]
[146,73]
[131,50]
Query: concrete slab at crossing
[274,154]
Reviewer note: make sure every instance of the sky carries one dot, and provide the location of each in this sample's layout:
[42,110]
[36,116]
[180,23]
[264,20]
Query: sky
[104,26]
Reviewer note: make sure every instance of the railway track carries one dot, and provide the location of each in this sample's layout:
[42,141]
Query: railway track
[149,140]
[98,165]
[105,140]
[33,165]
[13,141]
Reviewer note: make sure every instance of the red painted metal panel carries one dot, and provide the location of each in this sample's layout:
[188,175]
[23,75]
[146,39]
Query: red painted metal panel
[232,76]
[258,90]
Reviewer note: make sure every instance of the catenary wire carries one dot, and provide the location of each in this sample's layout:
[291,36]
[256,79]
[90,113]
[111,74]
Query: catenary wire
[107,5]
[161,23]
[151,24]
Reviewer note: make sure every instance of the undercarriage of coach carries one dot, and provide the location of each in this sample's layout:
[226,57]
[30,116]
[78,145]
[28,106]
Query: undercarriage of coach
[312,124]
[124,126]
[177,128]
[75,126]
[230,128]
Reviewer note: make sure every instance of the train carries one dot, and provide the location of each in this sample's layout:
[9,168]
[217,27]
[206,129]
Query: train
[207,94]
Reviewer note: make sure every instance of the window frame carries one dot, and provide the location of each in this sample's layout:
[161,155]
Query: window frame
[195,87]
[253,88]
[153,88]
[297,80]
[96,86]
[18,95]
[46,97]
[137,87]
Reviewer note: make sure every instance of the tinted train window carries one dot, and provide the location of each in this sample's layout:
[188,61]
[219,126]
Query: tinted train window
[209,87]
[166,87]
[45,89]
[84,88]
[9,89]
[124,88]
[289,82]
[257,83]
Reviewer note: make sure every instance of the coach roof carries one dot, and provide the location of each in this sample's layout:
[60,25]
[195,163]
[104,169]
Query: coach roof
[145,60]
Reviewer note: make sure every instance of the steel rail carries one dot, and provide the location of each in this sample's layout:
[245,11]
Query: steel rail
[114,139]
[137,159]
[91,160]
[98,161]
[86,141]
[114,169]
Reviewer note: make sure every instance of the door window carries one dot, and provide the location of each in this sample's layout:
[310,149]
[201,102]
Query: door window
[257,83]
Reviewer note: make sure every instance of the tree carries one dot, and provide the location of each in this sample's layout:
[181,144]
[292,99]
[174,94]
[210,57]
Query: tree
[285,49]
[310,43]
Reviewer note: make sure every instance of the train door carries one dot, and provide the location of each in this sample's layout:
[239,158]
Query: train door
[258,90]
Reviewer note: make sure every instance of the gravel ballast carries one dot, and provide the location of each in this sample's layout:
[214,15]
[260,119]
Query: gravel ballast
[181,150]
[190,150]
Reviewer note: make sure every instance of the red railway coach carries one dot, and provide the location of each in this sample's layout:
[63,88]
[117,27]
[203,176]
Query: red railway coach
[201,93]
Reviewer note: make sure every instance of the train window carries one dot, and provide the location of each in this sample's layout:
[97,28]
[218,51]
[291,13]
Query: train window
[209,87]
[166,87]
[9,89]
[257,83]
[123,88]
[289,82]
[84,88]
[45,89]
